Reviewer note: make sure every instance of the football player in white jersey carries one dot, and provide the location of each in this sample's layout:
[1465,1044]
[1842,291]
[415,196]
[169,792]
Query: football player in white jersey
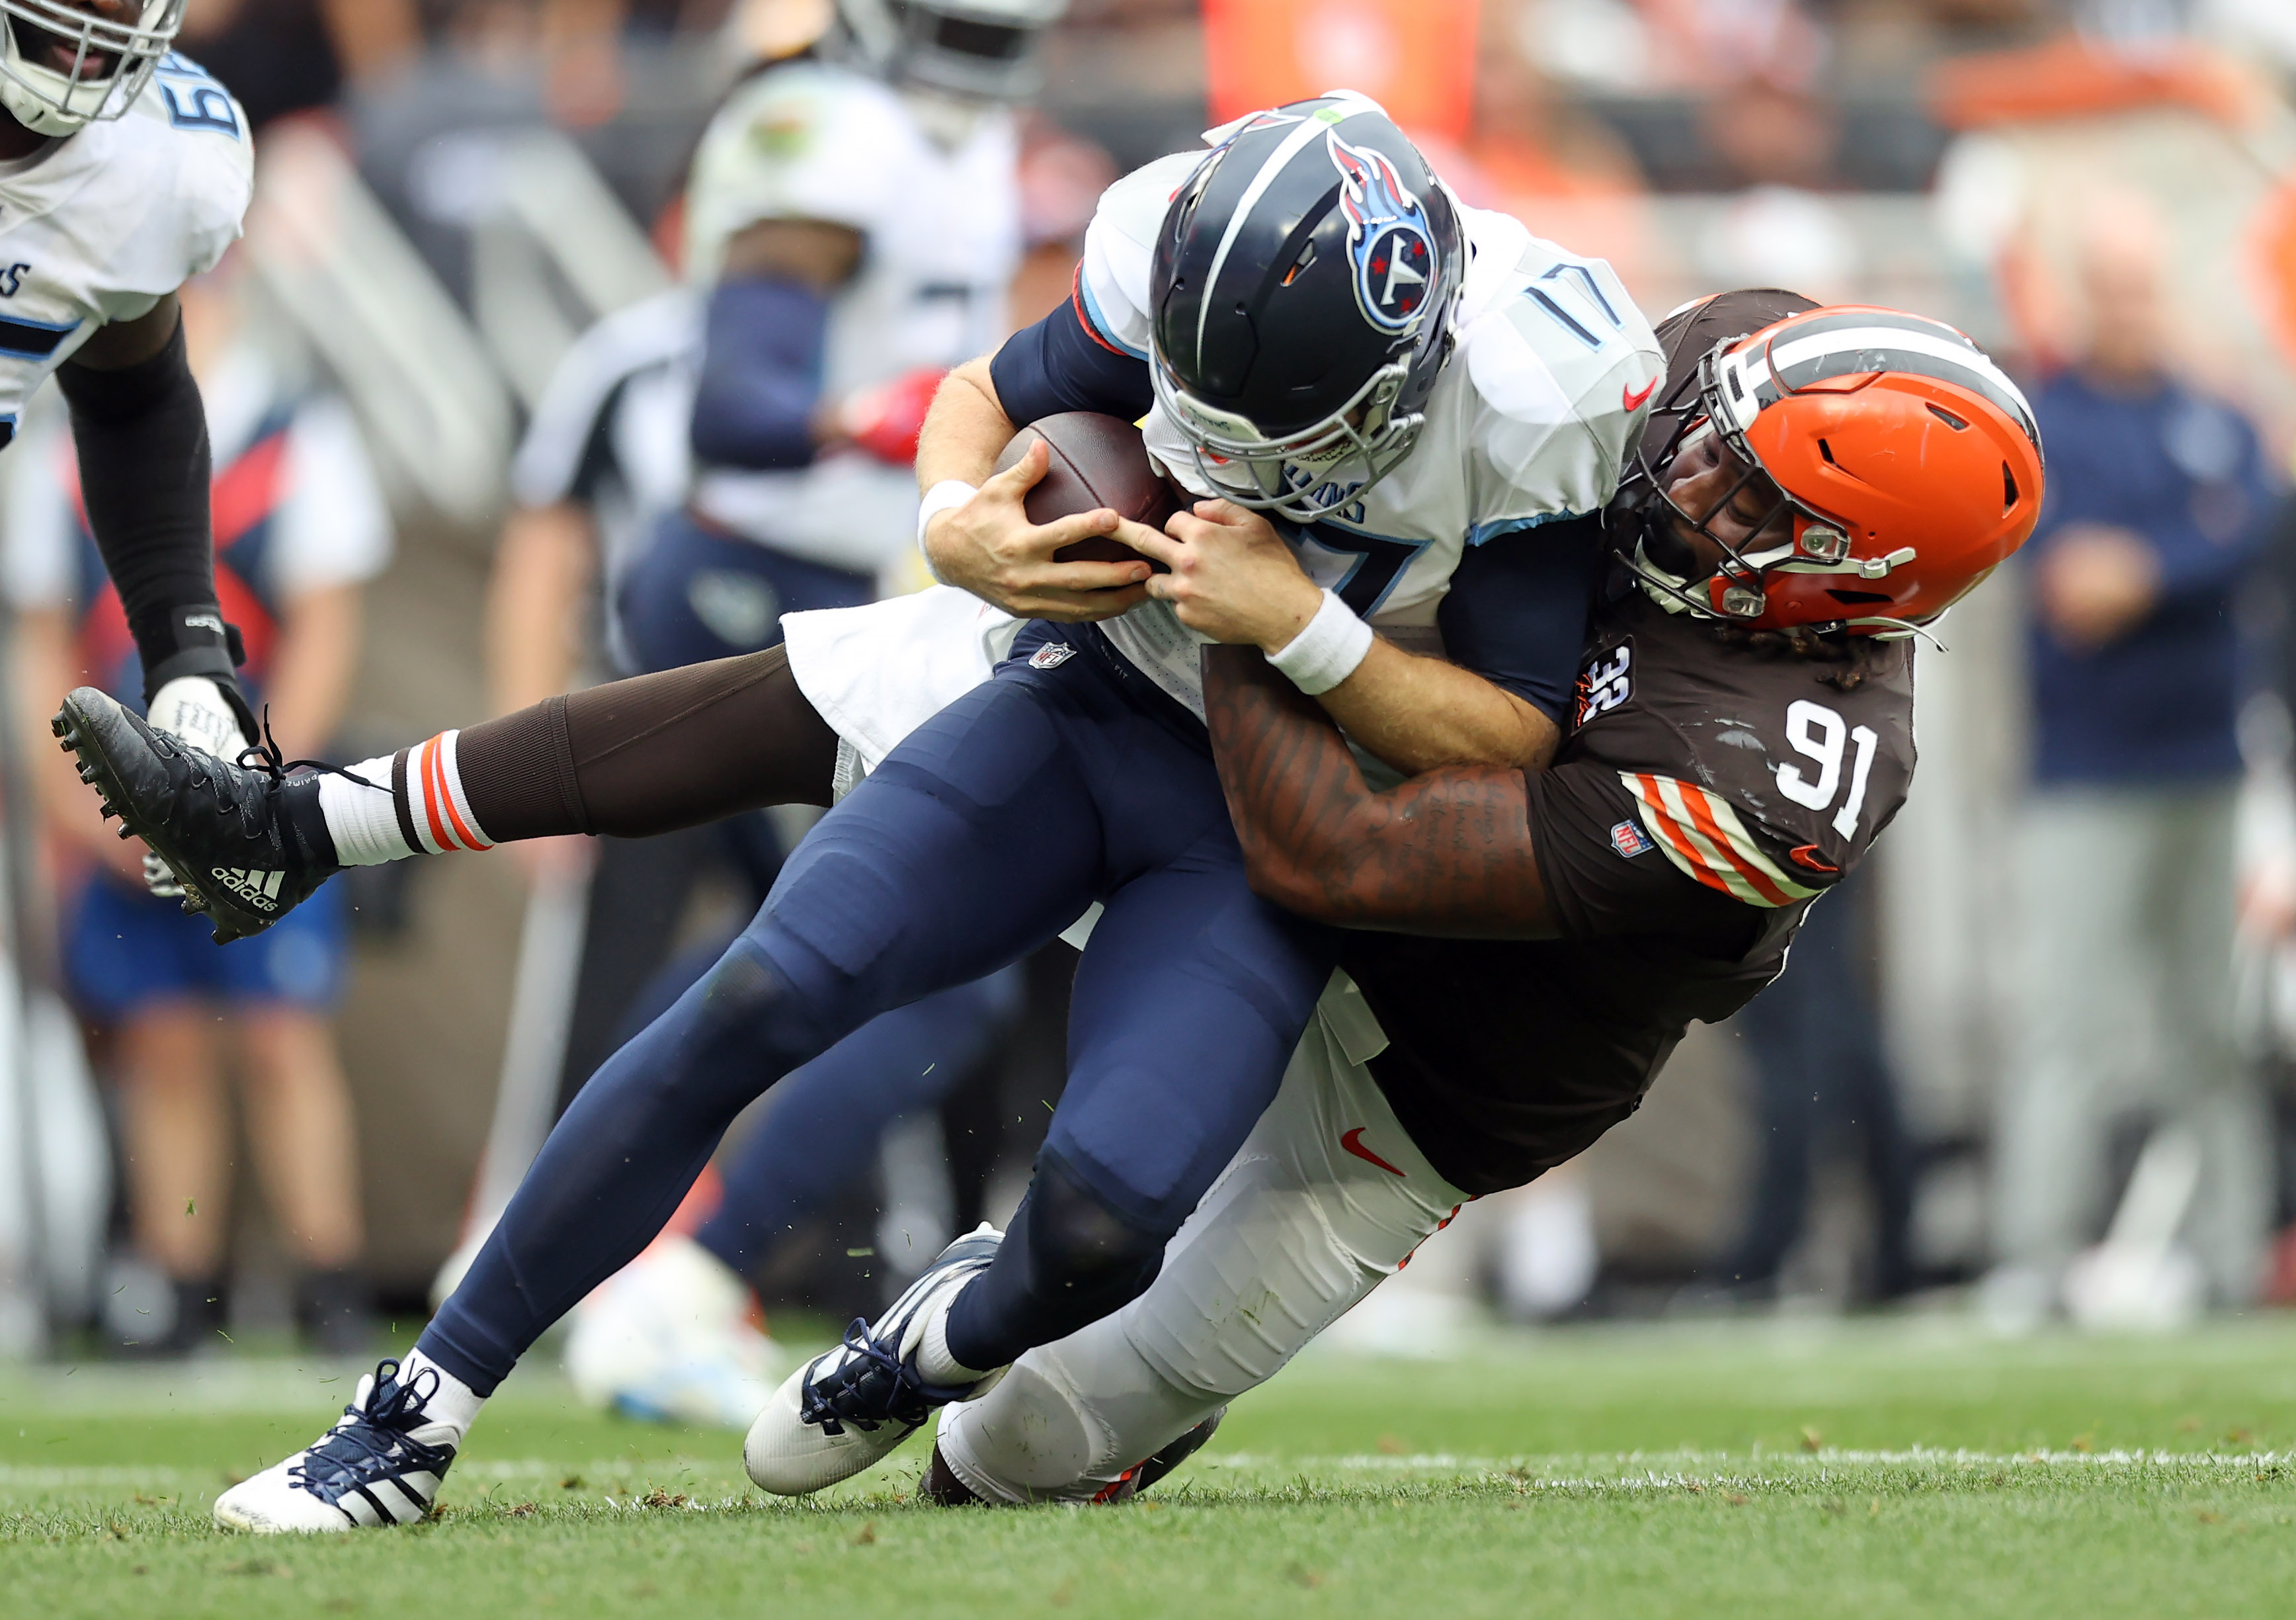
[124,171]
[853,218]
[1273,318]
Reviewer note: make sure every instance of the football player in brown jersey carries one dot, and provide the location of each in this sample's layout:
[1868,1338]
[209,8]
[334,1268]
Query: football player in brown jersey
[1530,945]
[1803,499]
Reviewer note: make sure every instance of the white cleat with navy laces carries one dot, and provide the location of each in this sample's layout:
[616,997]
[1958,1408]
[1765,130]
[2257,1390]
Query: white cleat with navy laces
[848,1409]
[380,1465]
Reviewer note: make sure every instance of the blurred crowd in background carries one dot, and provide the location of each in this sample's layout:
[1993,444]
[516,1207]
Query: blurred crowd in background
[2039,1063]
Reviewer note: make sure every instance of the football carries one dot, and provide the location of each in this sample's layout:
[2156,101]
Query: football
[1097,461]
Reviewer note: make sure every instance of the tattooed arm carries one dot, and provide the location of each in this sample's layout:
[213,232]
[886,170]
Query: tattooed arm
[1448,852]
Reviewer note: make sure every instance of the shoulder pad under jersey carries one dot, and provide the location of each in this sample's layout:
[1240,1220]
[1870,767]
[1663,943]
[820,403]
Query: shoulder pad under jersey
[1760,772]
[1563,367]
[183,165]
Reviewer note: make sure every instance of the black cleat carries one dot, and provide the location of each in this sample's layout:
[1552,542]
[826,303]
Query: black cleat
[226,831]
[1137,1479]
[941,1486]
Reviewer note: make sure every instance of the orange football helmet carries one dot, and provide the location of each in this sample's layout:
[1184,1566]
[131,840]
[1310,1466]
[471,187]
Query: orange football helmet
[1908,463]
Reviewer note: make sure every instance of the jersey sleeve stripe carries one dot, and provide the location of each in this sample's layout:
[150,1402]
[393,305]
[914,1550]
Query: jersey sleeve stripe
[1095,323]
[1749,854]
[1703,835]
[1733,843]
[1681,845]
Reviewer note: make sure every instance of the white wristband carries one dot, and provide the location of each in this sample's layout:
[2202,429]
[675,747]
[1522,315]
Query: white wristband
[950,492]
[1327,651]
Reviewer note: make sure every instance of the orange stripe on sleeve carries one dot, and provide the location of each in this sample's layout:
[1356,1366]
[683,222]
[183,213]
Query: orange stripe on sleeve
[1662,823]
[1703,814]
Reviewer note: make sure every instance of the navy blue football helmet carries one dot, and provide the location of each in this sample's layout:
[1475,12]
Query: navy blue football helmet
[1304,290]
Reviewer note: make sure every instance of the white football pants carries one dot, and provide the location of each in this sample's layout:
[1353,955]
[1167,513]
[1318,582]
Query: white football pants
[1325,1199]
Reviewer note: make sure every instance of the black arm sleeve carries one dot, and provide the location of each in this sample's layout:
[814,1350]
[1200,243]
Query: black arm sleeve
[142,435]
[1516,614]
[1060,364]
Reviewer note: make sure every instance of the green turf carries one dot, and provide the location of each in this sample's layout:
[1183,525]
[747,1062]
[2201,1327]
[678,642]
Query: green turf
[1892,1468]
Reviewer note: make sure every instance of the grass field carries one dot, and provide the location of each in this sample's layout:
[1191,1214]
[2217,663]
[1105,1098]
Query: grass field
[1884,1469]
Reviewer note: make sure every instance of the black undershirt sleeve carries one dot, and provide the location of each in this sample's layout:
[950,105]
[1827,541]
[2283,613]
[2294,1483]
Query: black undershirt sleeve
[1060,364]
[142,436]
[1517,607]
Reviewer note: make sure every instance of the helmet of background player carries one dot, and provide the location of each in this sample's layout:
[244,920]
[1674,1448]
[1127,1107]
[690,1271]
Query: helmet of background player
[1900,466]
[64,63]
[1304,287]
[974,50]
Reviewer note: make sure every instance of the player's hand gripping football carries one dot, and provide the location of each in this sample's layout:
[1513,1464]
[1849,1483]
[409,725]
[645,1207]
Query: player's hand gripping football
[1232,578]
[989,547]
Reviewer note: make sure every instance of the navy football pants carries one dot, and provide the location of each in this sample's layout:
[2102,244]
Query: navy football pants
[829,1115]
[984,835]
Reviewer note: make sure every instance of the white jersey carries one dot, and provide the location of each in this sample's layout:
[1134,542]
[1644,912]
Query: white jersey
[102,226]
[1529,422]
[941,226]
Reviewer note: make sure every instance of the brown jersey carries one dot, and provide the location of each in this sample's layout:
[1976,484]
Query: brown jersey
[1713,784]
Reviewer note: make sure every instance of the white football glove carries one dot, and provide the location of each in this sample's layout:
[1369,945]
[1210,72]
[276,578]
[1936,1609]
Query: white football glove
[160,877]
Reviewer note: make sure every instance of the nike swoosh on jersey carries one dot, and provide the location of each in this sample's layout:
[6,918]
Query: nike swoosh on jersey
[1633,400]
[1353,1142]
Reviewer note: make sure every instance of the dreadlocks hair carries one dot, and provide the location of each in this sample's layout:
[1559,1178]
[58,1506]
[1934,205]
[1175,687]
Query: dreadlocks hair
[1854,653]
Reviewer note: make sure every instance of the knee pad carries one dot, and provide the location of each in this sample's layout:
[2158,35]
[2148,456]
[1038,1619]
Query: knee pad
[1068,1421]
[1026,1440]
[1068,1260]
[1077,1244]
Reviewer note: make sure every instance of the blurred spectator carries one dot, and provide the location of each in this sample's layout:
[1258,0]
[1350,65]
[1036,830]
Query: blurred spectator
[1530,152]
[300,526]
[2157,501]
[1062,177]
[1820,1076]
[1778,145]
[282,56]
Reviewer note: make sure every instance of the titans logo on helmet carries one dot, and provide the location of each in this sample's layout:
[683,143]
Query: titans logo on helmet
[1387,237]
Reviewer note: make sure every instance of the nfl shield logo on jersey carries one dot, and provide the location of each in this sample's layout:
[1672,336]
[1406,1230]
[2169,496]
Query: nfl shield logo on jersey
[1387,237]
[1630,840]
[1052,655]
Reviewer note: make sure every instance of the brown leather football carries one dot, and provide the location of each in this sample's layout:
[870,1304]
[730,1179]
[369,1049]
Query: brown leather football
[1097,461]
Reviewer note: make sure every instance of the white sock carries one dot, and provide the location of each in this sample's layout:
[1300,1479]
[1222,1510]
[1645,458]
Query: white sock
[362,819]
[421,811]
[933,1358]
[456,1403]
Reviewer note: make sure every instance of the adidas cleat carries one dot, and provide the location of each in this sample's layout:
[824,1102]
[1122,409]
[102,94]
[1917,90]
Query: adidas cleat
[848,1409]
[380,1465]
[226,831]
